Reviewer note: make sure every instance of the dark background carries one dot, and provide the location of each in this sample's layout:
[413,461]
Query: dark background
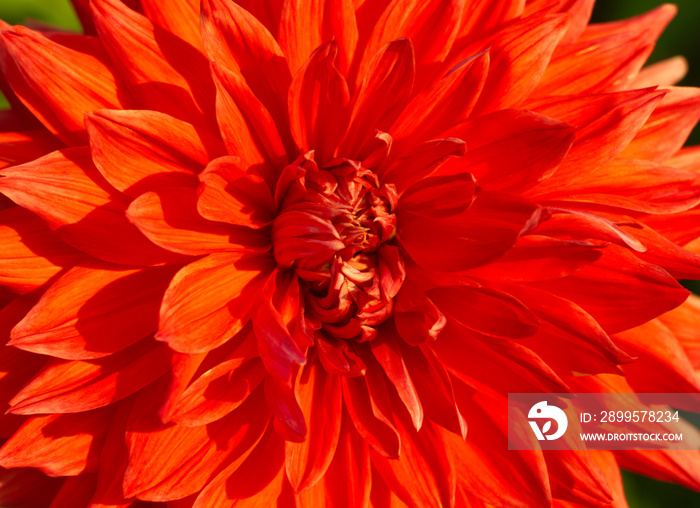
[682,37]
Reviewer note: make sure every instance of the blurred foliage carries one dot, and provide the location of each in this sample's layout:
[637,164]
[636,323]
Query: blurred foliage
[681,38]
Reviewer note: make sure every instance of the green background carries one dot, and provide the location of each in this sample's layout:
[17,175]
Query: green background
[681,38]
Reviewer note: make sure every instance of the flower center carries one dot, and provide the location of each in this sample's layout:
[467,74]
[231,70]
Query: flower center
[335,229]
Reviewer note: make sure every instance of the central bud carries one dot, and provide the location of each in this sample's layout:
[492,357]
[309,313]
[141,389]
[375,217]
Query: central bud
[335,230]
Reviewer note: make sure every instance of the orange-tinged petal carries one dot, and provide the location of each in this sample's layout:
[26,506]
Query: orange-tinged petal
[169,218]
[630,184]
[65,189]
[519,58]
[58,83]
[58,445]
[138,151]
[171,462]
[75,386]
[605,124]
[248,130]
[91,312]
[164,72]
[668,126]
[210,300]
[574,476]
[440,196]
[661,365]
[180,18]
[320,398]
[31,255]
[218,392]
[305,26]
[232,193]
[682,322]
[665,73]
[237,40]
[319,104]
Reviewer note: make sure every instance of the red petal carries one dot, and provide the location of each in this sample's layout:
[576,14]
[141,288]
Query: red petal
[31,255]
[25,146]
[484,310]
[483,464]
[417,21]
[167,463]
[320,398]
[444,104]
[422,475]
[169,218]
[537,257]
[348,479]
[440,196]
[259,481]
[416,317]
[319,104]
[575,477]
[210,300]
[494,366]
[247,128]
[481,234]
[383,94]
[150,59]
[237,40]
[67,191]
[386,349]
[304,27]
[138,151]
[58,84]
[93,312]
[511,150]
[58,445]
[75,386]
[230,193]
[641,291]
[422,161]
[434,388]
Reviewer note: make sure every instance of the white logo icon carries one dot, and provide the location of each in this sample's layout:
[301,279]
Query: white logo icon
[542,411]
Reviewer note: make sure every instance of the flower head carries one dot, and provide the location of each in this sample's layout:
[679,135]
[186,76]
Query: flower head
[287,253]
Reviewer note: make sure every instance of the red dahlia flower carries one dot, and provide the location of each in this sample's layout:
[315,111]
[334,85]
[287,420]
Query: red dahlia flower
[287,253]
